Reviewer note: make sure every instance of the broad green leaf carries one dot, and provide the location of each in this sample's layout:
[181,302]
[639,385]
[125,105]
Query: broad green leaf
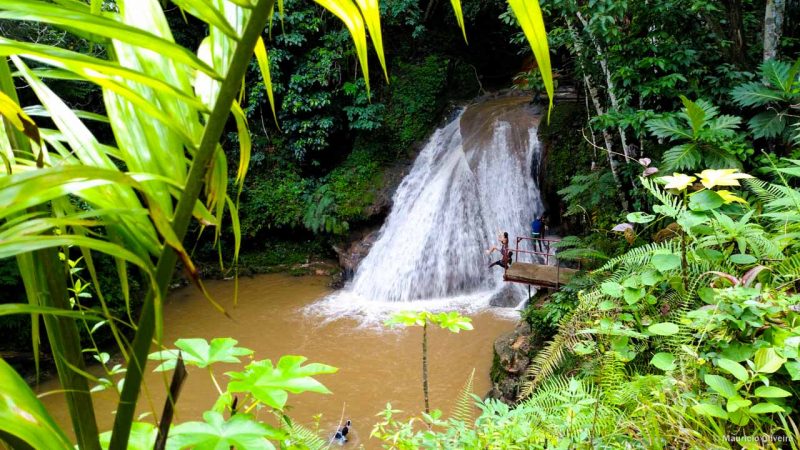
[707,409]
[696,115]
[740,258]
[736,403]
[143,437]
[793,367]
[767,124]
[755,94]
[633,295]
[733,368]
[272,385]
[640,217]
[767,360]
[664,361]
[663,329]
[705,200]
[721,385]
[606,305]
[198,352]
[766,408]
[665,262]
[408,318]
[215,433]
[771,392]
[22,415]
[612,289]
[529,16]
[452,321]
[737,351]
[651,277]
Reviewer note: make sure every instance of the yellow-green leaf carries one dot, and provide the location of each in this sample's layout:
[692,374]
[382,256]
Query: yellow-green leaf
[17,117]
[348,13]
[371,11]
[263,64]
[459,17]
[23,416]
[529,15]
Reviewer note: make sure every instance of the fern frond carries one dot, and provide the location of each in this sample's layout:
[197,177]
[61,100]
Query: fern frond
[789,268]
[548,360]
[640,256]
[464,408]
[545,363]
[671,205]
[302,437]
[611,377]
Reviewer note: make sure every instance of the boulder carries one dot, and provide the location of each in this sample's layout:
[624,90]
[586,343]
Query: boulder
[507,297]
[355,250]
[512,354]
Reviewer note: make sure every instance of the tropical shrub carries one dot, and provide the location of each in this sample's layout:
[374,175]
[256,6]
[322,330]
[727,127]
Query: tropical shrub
[698,331]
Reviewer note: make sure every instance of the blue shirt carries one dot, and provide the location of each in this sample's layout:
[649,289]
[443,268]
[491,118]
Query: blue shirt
[536,226]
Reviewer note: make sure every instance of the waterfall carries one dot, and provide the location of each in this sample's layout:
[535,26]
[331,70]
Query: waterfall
[473,179]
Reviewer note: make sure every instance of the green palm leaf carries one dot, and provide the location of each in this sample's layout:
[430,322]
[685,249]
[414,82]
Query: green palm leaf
[23,417]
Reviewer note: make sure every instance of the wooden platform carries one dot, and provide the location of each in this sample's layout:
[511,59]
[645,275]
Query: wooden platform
[538,274]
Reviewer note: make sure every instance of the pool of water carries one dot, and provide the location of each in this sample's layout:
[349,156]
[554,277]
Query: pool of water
[275,316]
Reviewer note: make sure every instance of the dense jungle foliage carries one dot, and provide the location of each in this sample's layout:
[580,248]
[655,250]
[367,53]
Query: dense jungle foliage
[673,169]
[322,173]
[684,206]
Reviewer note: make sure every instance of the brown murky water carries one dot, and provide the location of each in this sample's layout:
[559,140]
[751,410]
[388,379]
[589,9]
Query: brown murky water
[375,366]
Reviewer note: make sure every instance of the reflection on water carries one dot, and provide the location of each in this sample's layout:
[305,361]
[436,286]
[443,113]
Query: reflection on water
[375,366]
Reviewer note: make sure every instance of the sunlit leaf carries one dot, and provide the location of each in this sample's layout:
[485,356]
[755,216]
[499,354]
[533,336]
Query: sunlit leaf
[18,118]
[143,437]
[529,15]
[44,12]
[22,415]
[272,385]
[348,13]
[215,433]
[263,64]
[199,352]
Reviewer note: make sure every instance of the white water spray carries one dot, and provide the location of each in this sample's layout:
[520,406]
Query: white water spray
[474,179]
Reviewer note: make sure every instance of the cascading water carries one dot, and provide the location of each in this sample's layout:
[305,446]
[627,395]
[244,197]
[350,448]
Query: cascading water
[474,179]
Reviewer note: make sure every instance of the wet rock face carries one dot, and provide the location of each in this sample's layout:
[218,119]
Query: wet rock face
[351,254]
[507,297]
[512,354]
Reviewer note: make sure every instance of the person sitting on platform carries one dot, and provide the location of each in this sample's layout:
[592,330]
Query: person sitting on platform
[503,238]
[504,262]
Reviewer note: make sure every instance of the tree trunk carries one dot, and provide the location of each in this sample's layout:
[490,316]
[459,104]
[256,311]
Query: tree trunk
[773,27]
[612,162]
[735,27]
[610,88]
